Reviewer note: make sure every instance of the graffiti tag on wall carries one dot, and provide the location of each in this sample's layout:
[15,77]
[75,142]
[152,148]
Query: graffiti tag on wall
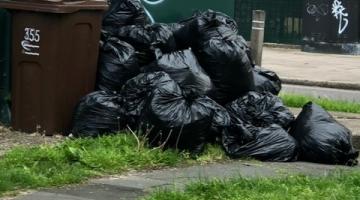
[152,2]
[317,10]
[338,11]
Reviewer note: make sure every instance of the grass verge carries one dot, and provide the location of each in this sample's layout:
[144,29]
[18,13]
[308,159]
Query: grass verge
[298,101]
[74,161]
[340,185]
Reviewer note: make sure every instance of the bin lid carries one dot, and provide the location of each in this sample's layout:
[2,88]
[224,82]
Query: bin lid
[54,6]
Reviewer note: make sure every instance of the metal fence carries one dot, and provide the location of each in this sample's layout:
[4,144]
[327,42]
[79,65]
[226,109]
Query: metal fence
[283,19]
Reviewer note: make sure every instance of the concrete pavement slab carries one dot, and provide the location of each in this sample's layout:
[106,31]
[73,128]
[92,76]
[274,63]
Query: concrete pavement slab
[138,182]
[178,178]
[298,65]
[99,192]
[49,196]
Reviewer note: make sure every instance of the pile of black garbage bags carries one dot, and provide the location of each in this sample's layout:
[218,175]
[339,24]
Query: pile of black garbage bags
[187,84]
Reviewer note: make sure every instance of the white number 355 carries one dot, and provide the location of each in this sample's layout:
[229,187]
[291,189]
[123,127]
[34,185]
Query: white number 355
[32,35]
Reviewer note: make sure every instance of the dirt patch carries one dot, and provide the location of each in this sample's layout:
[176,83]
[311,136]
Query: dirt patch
[10,139]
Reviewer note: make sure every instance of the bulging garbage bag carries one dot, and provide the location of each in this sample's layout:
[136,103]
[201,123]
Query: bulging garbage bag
[203,26]
[258,128]
[239,132]
[182,34]
[117,64]
[221,52]
[260,110]
[175,27]
[229,68]
[147,38]
[122,13]
[266,81]
[183,67]
[272,143]
[136,91]
[221,121]
[177,121]
[321,138]
[210,24]
[96,114]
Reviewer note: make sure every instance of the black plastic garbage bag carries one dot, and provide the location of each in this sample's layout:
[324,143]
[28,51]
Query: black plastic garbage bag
[260,110]
[122,13]
[96,114]
[210,24]
[239,132]
[221,121]
[104,36]
[177,121]
[183,67]
[220,51]
[136,91]
[322,139]
[203,26]
[228,66]
[147,38]
[272,143]
[175,27]
[117,64]
[266,81]
[182,34]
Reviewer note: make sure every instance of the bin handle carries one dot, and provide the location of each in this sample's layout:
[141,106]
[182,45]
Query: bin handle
[59,6]
[73,2]
[69,2]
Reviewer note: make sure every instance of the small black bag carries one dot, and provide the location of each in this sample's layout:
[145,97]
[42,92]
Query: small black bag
[182,122]
[266,81]
[122,13]
[258,129]
[117,64]
[136,92]
[202,27]
[183,67]
[260,110]
[272,143]
[145,39]
[97,114]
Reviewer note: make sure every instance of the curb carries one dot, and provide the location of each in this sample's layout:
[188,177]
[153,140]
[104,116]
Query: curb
[283,46]
[278,45]
[324,84]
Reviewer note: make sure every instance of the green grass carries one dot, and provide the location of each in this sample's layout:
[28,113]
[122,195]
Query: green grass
[74,161]
[298,101]
[341,185]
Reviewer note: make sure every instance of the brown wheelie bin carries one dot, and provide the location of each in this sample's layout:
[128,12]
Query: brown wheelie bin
[54,60]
